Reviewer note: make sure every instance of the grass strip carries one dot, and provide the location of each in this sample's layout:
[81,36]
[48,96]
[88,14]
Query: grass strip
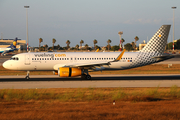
[92,94]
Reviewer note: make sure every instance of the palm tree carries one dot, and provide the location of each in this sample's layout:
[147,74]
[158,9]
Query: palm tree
[95,42]
[68,42]
[109,41]
[81,42]
[53,41]
[77,46]
[136,39]
[40,40]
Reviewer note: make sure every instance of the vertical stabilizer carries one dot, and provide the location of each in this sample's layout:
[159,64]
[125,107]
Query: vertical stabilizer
[155,47]
[13,45]
[158,42]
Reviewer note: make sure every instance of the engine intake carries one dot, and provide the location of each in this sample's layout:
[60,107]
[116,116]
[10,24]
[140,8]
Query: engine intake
[69,72]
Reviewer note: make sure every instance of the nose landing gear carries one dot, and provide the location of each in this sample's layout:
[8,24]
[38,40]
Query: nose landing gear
[27,76]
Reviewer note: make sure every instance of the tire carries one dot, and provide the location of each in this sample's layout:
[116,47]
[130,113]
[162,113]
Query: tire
[88,77]
[27,78]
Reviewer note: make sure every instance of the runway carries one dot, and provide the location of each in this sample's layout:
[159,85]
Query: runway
[99,81]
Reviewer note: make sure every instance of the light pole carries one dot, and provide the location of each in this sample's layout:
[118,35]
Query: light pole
[173,26]
[120,33]
[27,27]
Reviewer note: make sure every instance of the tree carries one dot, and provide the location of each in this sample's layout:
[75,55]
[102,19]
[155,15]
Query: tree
[109,41]
[128,46]
[77,46]
[68,42]
[86,46]
[95,42]
[81,42]
[53,41]
[97,47]
[122,41]
[40,40]
[136,39]
[115,48]
[58,47]
[133,45]
[46,47]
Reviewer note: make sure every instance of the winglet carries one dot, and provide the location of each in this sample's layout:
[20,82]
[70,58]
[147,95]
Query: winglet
[120,56]
[97,50]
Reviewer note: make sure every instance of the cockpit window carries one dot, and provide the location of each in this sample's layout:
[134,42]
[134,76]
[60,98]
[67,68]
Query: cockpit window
[14,58]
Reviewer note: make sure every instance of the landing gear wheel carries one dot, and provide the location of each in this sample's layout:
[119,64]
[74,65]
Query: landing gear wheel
[27,77]
[88,77]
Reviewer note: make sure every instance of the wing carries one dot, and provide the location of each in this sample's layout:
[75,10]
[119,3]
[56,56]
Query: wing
[6,51]
[89,65]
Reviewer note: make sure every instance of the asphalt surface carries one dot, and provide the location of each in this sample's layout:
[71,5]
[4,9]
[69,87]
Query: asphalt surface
[49,81]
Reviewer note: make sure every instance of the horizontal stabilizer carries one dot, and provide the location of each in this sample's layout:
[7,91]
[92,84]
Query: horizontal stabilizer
[163,57]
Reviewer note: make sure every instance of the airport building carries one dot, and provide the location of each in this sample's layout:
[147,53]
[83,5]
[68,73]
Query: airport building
[21,44]
[141,46]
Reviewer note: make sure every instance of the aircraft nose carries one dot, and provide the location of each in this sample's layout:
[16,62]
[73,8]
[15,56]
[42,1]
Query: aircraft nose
[6,65]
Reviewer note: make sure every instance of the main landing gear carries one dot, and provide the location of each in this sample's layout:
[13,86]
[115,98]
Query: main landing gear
[27,76]
[86,75]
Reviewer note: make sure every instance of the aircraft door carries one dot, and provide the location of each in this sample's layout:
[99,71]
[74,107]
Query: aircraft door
[27,59]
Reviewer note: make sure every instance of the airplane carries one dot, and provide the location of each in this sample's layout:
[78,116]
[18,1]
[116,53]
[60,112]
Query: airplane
[72,64]
[10,48]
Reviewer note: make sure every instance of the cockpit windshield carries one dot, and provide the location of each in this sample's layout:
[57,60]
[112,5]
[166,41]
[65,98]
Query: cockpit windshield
[14,58]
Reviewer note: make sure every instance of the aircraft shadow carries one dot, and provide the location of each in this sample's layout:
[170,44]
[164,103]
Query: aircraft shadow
[171,77]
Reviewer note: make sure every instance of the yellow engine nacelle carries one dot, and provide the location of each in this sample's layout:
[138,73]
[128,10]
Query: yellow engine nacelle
[69,72]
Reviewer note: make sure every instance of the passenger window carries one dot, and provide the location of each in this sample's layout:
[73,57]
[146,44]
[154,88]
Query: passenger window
[64,58]
[90,58]
[87,58]
[32,58]
[57,58]
[37,58]
[42,58]
[47,58]
[82,58]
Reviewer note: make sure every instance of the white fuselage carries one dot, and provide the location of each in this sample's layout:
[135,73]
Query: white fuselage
[49,60]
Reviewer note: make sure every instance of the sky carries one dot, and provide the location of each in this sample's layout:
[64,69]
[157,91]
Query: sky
[77,20]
